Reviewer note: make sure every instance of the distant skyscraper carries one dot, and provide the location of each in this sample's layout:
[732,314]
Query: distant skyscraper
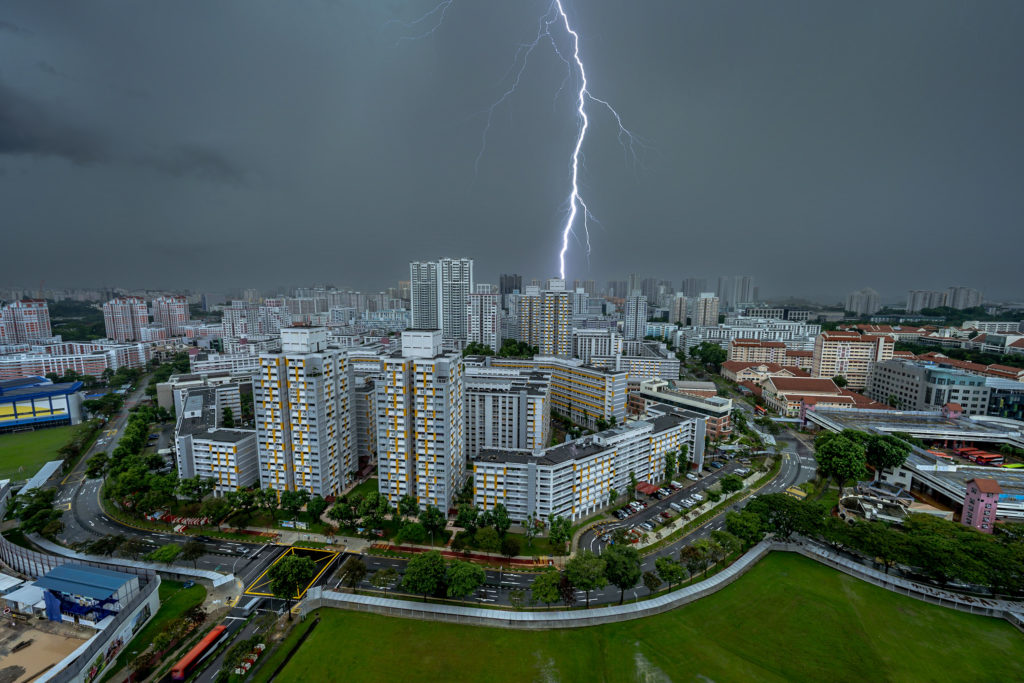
[634,284]
[677,311]
[863,302]
[125,317]
[483,321]
[635,322]
[425,294]
[545,320]
[588,286]
[705,310]
[509,282]
[963,297]
[742,291]
[693,286]
[724,290]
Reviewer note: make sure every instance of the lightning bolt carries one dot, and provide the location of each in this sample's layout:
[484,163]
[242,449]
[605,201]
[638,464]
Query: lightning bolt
[577,209]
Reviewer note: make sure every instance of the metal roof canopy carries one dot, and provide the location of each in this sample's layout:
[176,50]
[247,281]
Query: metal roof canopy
[89,582]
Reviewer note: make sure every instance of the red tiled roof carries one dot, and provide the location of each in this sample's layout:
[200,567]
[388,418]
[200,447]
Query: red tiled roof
[758,344]
[986,485]
[1019,344]
[799,353]
[804,384]
[814,400]
[797,371]
[754,389]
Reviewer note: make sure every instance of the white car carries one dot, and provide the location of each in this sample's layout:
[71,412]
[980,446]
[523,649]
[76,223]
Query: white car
[698,496]
[691,477]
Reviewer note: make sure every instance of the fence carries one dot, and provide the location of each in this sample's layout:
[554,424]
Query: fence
[410,609]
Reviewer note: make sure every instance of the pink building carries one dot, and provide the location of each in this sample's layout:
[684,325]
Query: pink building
[124,318]
[171,312]
[981,504]
[25,321]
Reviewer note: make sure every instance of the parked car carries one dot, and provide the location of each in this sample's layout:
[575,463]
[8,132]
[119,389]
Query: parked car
[666,514]
[648,526]
[676,506]
[698,496]
[620,514]
[717,465]
[675,485]
[691,476]
[742,471]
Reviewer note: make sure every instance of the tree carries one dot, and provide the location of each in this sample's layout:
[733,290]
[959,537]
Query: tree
[477,349]
[383,579]
[408,506]
[433,521]
[561,529]
[166,554]
[517,598]
[652,582]
[424,574]
[545,587]
[886,452]
[467,517]
[586,572]
[315,508]
[487,539]
[289,576]
[840,381]
[194,489]
[612,495]
[839,457]
[731,483]
[709,354]
[133,548]
[622,567]
[748,526]
[192,551]
[292,501]
[411,532]
[670,464]
[229,417]
[463,578]
[690,557]
[342,512]
[105,545]
[669,570]
[510,547]
[96,466]
[632,486]
[353,571]
[566,590]
[530,528]
[499,517]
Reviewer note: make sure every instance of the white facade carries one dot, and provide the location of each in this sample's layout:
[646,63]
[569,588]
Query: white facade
[545,320]
[677,312]
[705,310]
[483,321]
[588,343]
[506,409]
[635,321]
[302,402]
[124,318]
[420,422]
[172,313]
[575,479]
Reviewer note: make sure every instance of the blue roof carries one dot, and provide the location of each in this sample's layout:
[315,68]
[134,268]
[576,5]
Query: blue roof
[88,582]
[24,393]
[18,382]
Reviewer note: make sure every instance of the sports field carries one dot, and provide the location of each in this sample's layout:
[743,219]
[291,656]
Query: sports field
[788,619]
[23,453]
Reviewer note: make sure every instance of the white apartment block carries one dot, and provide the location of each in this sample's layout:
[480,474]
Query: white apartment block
[425,294]
[641,361]
[677,312]
[849,354]
[575,479]
[171,312]
[795,334]
[545,320]
[124,318]
[580,392]
[420,422]
[230,362]
[483,320]
[506,409]
[226,456]
[705,310]
[302,401]
[587,343]
[439,292]
[634,324]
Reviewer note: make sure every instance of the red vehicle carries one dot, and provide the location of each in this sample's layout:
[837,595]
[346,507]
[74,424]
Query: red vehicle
[187,663]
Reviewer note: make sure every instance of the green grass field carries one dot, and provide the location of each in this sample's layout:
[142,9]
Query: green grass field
[23,453]
[788,619]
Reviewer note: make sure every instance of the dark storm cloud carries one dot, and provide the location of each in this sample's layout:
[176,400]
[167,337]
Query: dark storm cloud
[29,128]
[819,146]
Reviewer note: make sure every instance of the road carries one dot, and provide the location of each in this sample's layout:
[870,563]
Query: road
[84,519]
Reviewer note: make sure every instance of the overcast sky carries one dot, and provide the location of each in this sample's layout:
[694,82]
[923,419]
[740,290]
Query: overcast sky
[819,146]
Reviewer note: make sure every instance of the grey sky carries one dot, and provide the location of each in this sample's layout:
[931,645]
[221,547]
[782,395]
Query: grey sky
[820,146]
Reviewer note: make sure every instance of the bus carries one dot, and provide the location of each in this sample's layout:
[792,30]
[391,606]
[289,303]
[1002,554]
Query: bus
[760,410]
[994,459]
[187,664]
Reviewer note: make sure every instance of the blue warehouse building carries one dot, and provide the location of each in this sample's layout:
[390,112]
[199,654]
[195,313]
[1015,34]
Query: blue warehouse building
[34,402]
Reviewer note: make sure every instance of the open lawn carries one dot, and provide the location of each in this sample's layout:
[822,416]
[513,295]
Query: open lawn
[23,453]
[788,619]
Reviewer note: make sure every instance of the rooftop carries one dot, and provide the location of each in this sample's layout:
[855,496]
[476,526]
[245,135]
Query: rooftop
[89,582]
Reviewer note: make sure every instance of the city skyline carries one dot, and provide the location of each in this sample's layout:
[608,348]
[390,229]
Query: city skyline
[312,128]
